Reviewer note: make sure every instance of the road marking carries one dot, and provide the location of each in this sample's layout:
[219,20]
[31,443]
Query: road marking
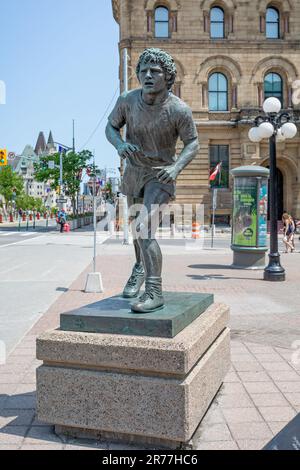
[17,243]
[13,268]
[49,271]
[8,234]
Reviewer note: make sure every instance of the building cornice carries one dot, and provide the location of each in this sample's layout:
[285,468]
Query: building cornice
[116,10]
[253,46]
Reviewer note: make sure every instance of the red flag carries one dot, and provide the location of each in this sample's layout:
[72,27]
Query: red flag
[215,172]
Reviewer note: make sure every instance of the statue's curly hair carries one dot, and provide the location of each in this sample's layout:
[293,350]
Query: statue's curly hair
[161,58]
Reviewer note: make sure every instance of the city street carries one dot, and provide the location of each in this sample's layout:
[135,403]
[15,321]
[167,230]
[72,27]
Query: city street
[260,394]
[35,269]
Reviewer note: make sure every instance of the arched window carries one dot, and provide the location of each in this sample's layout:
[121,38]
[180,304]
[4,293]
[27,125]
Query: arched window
[272,23]
[218,92]
[273,86]
[161,22]
[217,23]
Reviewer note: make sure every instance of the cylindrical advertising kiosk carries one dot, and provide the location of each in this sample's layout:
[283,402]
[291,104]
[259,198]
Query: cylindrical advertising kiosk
[249,218]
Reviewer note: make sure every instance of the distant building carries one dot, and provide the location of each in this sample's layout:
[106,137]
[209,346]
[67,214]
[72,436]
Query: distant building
[24,165]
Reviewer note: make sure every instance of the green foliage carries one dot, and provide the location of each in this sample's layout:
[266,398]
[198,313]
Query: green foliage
[26,202]
[11,184]
[73,165]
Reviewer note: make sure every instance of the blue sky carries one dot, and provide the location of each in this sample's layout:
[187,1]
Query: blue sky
[59,60]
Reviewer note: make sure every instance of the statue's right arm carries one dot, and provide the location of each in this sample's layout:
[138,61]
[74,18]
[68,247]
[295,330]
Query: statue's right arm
[113,135]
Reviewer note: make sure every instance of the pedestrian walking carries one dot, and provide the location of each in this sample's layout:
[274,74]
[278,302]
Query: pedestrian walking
[62,219]
[288,232]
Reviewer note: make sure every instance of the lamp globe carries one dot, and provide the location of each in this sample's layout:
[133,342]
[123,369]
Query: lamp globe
[272,105]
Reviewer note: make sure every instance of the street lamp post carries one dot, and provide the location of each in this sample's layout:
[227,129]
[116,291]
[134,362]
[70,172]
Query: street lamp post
[275,126]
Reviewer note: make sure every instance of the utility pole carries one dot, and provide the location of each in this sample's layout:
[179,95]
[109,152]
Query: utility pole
[73,135]
[125,206]
[94,279]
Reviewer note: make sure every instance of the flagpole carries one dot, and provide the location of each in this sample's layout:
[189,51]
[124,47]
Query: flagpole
[214,194]
[214,203]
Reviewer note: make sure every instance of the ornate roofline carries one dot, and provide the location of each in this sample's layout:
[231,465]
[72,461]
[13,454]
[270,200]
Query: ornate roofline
[116,10]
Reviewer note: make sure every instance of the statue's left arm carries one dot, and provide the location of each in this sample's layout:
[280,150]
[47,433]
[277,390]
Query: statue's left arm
[188,134]
[171,172]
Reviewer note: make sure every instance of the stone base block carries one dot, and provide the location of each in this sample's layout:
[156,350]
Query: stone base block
[133,388]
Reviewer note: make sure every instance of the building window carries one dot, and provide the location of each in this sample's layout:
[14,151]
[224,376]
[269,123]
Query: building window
[218,92]
[217,154]
[273,86]
[272,23]
[217,30]
[161,22]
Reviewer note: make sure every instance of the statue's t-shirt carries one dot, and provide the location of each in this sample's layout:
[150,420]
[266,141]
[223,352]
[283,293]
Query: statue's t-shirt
[155,130]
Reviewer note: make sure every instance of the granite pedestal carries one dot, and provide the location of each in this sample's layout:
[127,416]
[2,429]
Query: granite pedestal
[149,379]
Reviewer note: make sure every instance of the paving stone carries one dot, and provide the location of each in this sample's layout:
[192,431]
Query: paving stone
[217,445]
[213,416]
[289,387]
[232,377]
[247,366]
[284,376]
[9,447]
[277,366]
[251,444]
[236,357]
[29,379]
[260,387]
[21,402]
[3,400]
[16,417]
[73,447]
[28,389]
[7,389]
[254,376]
[12,434]
[277,426]
[269,399]
[214,432]
[10,378]
[259,349]
[230,401]
[293,398]
[269,357]
[42,434]
[251,431]
[277,413]
[241,415]
[231,387]
[42,447]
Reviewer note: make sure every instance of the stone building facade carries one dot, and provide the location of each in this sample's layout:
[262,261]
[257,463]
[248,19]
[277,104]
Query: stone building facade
[230,54]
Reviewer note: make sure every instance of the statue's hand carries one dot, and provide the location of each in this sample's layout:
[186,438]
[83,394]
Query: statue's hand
[167,174]
[126,150]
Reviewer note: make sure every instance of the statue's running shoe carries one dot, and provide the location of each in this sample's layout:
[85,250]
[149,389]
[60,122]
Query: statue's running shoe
[135,282]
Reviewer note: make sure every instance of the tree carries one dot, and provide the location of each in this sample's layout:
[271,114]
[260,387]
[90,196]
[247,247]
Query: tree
[26,202]
[11,185]
[73,165]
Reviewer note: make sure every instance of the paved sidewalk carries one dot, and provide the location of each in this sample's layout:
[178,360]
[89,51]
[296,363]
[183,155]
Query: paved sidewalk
[261,393]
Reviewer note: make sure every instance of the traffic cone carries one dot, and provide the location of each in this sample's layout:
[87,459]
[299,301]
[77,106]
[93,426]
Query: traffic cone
[195,230]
